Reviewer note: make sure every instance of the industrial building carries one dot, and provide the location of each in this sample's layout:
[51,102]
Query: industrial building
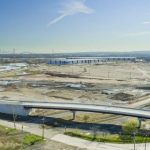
[88,60]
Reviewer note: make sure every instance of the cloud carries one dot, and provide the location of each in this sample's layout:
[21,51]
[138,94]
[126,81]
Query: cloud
[146,22]
[70,8]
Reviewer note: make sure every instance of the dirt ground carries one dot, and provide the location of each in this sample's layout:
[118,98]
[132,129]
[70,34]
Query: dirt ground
[113,83]
[92,80]
[116,83]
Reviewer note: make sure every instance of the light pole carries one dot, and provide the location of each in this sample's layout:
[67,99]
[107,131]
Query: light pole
[134,139]
[43,122]
[145,141]
[14,117]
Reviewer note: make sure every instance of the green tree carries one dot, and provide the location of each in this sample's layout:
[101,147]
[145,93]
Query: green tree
[130,127]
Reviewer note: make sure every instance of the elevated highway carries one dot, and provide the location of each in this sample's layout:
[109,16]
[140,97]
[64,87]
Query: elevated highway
[24,108]
[89,108]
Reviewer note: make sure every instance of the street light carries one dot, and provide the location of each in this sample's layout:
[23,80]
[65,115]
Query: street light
[134,139]
[145,141]
[43,122]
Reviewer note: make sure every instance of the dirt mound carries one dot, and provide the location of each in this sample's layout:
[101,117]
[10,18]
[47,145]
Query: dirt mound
[11,87]
[122,97]
[64,75]
[61,94]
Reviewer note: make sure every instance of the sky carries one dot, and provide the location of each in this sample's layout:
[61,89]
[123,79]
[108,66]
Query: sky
[46,26]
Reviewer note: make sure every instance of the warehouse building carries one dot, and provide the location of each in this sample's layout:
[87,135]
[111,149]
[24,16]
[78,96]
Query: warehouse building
[88,60]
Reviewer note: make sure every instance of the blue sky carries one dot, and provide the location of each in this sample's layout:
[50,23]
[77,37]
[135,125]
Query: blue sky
[74,25]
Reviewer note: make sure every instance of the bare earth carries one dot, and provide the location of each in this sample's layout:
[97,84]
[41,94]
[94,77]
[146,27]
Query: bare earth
[117,83]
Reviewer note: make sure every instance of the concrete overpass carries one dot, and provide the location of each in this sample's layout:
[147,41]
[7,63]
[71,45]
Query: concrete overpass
[89,108]
[24,108]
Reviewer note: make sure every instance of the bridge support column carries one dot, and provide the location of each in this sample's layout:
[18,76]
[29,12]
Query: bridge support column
[140,123]
[74,115]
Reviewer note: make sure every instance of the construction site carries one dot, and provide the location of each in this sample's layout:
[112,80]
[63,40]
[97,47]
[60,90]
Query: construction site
[113,83]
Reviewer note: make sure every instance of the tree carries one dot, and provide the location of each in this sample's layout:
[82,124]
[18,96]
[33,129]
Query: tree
[94,129]
[129,130]
[130,127]
[14,117]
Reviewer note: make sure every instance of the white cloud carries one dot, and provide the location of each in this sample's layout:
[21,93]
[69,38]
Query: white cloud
[146,22]
[70,8]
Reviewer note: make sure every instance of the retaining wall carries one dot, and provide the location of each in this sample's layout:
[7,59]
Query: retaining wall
[14,109]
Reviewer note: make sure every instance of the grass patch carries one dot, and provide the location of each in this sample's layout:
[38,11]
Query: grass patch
[31,139]
[7,131]
[12,139]
[7,74]
[111,138]
[32,71]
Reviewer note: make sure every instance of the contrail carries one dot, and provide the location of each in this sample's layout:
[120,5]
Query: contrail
[71,8]
[57,19]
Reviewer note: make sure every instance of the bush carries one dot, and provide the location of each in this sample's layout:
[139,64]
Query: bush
[112,138]
[85,118]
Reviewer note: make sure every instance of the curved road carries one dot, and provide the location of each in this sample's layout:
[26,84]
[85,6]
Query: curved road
[90,108]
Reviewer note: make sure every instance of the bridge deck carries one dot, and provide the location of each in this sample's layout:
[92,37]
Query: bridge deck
[90,108]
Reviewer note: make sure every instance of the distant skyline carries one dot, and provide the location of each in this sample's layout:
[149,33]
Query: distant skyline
[52,26]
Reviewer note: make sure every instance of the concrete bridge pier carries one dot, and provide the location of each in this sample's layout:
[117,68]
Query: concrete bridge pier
[140,122]
[74,115]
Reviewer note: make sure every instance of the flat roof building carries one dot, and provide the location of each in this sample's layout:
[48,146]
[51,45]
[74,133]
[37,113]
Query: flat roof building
[88,60]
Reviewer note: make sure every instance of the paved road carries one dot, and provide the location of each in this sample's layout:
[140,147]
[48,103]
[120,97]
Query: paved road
[144,72]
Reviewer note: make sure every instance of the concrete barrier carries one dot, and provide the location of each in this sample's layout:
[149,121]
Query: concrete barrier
[14,108]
